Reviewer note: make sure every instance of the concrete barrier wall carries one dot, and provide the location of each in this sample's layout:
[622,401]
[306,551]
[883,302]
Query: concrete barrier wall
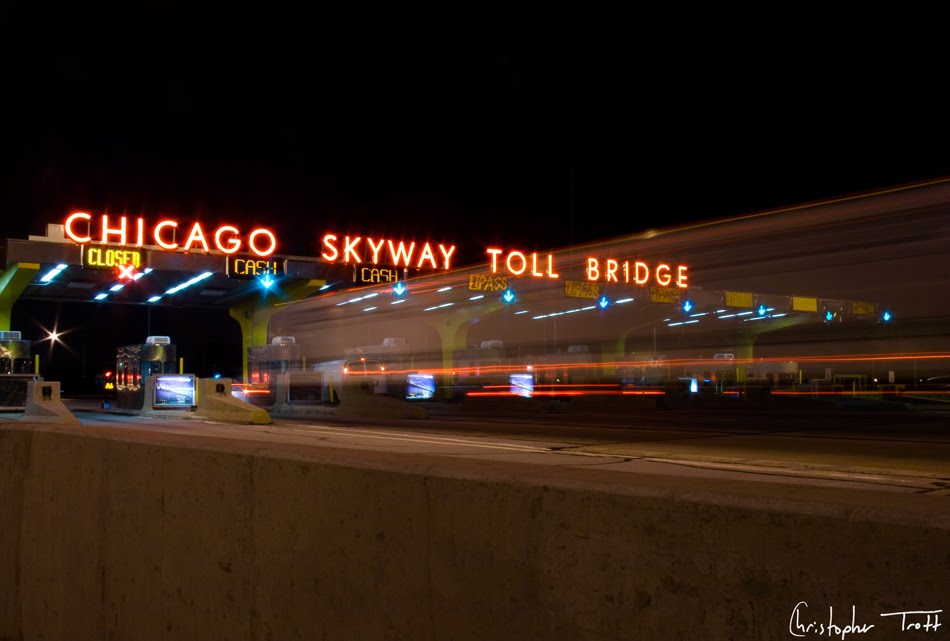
[122,537]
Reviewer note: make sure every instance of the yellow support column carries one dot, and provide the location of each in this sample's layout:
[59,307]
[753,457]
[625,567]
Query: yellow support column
[746,339]
[13,281]
[612,354]
[254,314]
[744,352]
[452,334]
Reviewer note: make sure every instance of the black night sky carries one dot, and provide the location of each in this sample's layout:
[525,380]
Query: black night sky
[479,130]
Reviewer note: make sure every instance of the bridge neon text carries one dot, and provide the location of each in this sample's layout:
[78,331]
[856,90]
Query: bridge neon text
[639,274]
[609,270]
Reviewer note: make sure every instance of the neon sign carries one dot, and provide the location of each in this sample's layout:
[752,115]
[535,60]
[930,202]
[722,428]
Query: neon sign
[372,258]
[609,270]
[226,238]
[516,263]
[375,252]
[640,274]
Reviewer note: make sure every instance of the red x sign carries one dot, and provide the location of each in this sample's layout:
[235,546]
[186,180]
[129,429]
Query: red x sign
[126,272]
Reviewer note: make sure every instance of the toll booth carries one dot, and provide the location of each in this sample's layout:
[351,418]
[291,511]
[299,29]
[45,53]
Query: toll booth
[268,371]
[266,361]
[136,367]
[16,370]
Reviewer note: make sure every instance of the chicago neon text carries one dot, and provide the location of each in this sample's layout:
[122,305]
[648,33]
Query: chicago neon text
[123,231]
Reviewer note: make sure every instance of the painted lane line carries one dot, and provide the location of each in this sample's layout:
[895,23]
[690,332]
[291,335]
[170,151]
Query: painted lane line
[430,440]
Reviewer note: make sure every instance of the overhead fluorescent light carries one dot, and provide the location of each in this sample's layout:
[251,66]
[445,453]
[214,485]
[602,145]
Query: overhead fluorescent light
[189,283]
[53,273]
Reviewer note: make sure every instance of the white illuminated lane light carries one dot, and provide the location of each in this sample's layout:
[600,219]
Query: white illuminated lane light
[189,283]
[53,273]
[154,299]
[429,309]
[358,298]
[100,296]
[570,311]
[689,322]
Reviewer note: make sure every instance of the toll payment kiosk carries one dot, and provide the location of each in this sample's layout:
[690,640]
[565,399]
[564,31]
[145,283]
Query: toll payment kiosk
[146,377]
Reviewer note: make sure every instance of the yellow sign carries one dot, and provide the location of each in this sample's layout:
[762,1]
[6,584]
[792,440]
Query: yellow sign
[739,299]
[377,275]
[581,289]
[252,267]
[800,304]
[108,258]
[487,283]
[664,294]
[858,307]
